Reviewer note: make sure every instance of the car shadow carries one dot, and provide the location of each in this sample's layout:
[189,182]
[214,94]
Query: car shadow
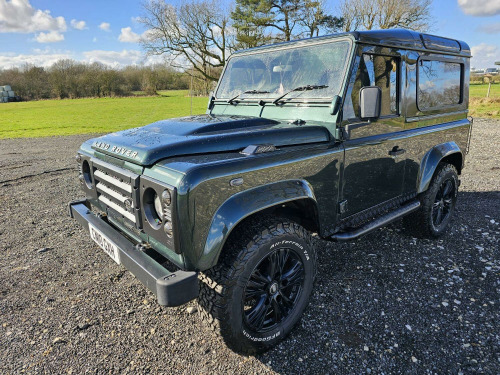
[392,303]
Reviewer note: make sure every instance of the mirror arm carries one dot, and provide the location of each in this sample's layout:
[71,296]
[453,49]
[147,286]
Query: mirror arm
[335,105]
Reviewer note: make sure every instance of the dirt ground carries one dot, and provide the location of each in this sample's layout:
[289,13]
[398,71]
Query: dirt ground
[387,303]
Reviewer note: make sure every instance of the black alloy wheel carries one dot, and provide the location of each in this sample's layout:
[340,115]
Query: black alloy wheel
[273,290]
[261,285]
[437,204]
[443,204]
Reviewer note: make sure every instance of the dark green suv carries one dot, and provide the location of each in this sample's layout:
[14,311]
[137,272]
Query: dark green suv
[336,135]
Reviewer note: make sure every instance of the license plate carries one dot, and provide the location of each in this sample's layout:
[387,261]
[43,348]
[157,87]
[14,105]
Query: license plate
[104,243]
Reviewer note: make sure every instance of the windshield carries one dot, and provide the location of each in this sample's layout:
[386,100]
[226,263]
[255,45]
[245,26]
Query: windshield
[272,73]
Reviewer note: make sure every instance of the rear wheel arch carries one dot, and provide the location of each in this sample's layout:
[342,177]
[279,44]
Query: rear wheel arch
[445,153]
[455,159]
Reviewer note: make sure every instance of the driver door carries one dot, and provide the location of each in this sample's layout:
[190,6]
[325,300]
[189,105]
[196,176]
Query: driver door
[374,158]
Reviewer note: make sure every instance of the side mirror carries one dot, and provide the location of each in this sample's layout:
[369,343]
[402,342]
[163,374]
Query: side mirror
[370,100]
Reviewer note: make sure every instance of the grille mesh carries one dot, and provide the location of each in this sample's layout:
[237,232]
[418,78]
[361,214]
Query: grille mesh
[115,189]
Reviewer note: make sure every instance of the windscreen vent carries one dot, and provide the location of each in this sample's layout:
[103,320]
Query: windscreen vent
[258,149]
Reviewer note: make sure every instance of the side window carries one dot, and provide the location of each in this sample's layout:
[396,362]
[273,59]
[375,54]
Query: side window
[374,70]
[439,84]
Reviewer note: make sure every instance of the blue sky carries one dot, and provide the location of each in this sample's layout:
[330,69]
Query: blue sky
[43,31]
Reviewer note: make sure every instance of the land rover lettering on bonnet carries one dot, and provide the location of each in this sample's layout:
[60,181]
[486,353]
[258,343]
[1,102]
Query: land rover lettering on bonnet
[336,135]
[117,150]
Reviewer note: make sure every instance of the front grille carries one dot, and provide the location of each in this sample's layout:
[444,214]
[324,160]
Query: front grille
[117,190]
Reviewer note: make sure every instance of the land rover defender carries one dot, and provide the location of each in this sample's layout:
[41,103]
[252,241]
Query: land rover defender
[336,135]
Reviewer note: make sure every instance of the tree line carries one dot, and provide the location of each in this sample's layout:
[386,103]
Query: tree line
[196,37]
[72,79]
[201,34]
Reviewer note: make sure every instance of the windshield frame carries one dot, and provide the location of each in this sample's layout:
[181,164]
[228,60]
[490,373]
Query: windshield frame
[303,43]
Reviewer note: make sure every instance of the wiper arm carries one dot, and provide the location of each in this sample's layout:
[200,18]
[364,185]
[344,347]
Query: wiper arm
[230,101]
[300,88]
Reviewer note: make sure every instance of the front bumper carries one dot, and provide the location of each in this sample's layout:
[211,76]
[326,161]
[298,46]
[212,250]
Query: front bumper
[170,288]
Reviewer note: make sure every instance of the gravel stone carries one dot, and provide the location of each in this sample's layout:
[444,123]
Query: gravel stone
[42,297]
[191,310]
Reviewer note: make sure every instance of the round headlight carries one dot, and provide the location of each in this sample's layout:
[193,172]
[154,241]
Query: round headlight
[158,207]
[152,208]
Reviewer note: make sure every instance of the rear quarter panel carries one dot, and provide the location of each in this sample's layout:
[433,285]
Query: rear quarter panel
[445,128]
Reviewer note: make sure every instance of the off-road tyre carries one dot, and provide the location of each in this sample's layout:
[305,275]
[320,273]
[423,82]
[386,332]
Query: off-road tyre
[422,223]
[222,288]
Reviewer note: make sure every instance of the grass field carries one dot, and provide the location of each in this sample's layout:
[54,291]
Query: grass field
[480,91]
[480,105]
[79,116]
[84,116]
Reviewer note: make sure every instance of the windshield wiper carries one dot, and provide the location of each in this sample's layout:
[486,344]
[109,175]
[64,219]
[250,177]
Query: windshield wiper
[300,88]
[230,101]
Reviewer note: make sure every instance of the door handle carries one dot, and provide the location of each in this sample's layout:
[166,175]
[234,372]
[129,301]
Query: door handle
[396,151]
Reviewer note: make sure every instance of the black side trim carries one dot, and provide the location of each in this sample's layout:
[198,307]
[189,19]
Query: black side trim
[377,223]
[369,214]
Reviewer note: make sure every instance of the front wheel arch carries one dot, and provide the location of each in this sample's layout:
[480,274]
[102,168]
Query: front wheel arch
[291,199]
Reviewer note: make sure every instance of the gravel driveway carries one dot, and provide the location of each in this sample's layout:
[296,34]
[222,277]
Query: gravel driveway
[387,303]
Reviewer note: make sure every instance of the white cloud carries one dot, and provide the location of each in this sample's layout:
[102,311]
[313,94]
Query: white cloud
[119,59]
[18,16]
[115,59]
[43,58]
[485,55]
[50,37]
[480,7]
[128,36]
[94,40]
[105,26]
[79,25]
[490,28]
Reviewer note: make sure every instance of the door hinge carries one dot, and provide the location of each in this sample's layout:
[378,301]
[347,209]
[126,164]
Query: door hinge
[343,206]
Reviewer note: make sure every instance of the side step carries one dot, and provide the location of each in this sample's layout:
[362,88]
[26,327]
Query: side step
[377,223]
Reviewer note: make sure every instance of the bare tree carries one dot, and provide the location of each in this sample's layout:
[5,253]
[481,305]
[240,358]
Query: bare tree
[386,14]
[195,34]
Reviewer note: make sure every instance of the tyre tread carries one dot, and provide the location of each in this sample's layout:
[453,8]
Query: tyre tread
[419,223]
[214,302]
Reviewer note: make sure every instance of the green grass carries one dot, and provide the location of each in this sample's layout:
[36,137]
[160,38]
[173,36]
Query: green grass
[104,115]
[480,105]
[101,115]
[480,91]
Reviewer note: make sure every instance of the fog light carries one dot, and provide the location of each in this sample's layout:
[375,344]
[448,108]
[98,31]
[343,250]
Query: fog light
[168,228]
[78,158]
[166,196]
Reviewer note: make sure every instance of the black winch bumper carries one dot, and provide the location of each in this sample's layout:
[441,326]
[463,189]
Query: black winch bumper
[170,288]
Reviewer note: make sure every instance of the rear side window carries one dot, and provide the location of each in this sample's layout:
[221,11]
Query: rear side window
[439,84]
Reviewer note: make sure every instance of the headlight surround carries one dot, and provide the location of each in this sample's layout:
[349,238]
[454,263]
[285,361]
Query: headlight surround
[158,209]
